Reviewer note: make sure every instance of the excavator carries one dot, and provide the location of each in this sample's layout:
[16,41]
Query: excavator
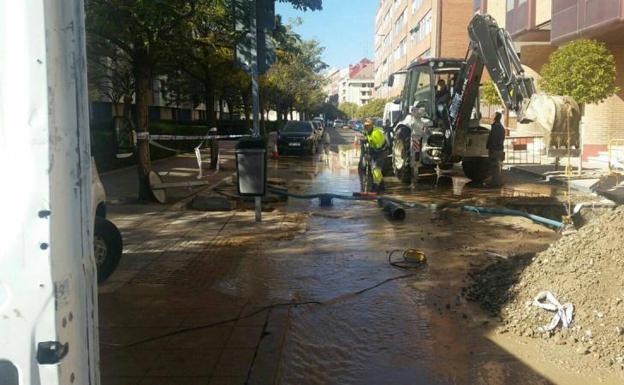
[437,132]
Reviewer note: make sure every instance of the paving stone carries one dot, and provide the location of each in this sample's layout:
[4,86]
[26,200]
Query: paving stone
[185,362]
[235,362]
[175,381]
[245,337]
[228,381]
[119,380]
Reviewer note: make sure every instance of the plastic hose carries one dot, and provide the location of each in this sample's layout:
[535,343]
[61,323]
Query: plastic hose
[515,213]
[391,205]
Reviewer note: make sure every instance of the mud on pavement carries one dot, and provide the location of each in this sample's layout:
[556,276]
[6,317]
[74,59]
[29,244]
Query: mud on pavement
[308,296]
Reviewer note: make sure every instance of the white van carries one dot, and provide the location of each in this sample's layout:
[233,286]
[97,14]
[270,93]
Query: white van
[391,114]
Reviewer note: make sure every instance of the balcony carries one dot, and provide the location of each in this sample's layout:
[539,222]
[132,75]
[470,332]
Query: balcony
[572,19]
[528,20]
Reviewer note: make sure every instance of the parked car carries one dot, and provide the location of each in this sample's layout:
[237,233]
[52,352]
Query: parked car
[338,123]
[300,137]
[358,126]
[107,242]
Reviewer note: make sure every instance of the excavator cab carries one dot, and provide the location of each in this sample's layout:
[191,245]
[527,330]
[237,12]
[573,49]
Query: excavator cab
[430,84]
[425,137]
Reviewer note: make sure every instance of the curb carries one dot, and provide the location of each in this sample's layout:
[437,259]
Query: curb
[555,181]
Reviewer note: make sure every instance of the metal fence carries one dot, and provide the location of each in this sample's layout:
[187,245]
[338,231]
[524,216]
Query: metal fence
[524,150]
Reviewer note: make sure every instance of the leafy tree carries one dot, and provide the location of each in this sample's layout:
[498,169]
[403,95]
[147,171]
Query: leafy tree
[489,95]
[374,108]
[348,109]
[110,75]
[583,69]
[313,5]
[145,31]
[294,82]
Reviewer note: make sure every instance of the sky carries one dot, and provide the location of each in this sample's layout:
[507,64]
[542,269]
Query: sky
[344,27]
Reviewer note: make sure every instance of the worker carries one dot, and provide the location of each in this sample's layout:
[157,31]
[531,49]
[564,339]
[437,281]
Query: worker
[442,95]
[496,151]
[376,140]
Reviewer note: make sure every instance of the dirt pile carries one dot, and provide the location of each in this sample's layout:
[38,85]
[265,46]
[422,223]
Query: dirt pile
[586,269]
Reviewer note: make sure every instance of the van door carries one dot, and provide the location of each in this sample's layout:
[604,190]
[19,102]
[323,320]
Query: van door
[48,303]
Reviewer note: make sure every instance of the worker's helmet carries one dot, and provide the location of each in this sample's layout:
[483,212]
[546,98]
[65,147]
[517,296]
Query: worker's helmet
[368,124]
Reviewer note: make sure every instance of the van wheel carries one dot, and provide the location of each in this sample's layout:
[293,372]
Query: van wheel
[107,247]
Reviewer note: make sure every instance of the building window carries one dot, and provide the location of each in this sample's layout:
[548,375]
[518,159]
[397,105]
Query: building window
[416,4]
[422,29]
[510,4]
[400,23]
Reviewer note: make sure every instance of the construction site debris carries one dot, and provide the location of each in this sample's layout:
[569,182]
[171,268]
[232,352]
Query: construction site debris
[563,313]
[586,267]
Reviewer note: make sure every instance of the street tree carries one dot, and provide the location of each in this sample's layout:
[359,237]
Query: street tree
[374,108]
[295,81]
[145,32]
[583,69]
[110,75]
[348,109]
[489,95]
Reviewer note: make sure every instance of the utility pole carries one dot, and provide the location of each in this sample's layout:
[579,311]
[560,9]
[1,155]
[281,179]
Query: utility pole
[255,94]
[255,53]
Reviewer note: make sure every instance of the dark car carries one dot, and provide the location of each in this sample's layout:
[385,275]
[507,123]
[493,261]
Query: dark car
[300,137]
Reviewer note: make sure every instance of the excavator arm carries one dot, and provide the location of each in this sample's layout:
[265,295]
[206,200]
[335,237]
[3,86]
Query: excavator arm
[491,47]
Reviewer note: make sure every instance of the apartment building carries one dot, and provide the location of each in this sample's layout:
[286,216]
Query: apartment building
[356,83]
[539,27]
[332,88]
[406,30]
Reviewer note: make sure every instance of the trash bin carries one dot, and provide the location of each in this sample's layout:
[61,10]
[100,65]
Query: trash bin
[251,166]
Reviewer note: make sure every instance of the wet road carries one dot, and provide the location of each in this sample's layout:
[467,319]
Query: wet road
[414,330]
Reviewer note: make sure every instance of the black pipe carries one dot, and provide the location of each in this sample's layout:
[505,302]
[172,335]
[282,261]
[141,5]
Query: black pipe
[394,211]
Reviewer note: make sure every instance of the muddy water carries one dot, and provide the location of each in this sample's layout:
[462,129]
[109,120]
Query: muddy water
[416,330]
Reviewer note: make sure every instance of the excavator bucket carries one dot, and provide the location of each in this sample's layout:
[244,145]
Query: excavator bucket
[559,118]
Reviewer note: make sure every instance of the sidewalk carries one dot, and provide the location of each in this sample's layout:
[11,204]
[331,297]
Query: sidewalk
[157,312]
[586,183]
[122,185]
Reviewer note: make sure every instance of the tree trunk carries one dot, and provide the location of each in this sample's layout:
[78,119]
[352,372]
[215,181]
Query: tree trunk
[209,102]
[246,110]
[228,102]
[211,118]
[221,107]
[142,85]
[127,108]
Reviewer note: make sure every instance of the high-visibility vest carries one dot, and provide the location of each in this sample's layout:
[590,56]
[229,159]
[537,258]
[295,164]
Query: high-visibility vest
[375,138]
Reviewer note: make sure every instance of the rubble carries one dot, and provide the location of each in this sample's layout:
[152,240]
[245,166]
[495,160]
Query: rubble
[585,268]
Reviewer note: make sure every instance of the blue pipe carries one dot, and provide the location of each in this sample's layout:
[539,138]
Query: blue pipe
[326,200]
[515,213]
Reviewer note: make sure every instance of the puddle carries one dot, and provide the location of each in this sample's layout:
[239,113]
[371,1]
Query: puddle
[413,331]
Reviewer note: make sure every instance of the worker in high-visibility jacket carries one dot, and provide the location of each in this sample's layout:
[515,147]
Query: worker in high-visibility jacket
[377,143]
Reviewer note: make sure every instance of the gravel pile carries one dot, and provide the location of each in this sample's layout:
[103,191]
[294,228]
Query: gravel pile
[586,269]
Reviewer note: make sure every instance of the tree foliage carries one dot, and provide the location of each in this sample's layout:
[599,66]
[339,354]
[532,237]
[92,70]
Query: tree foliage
[348,109]
[374,108]
[188,46]
[489,95]
[295,80]
[583,69]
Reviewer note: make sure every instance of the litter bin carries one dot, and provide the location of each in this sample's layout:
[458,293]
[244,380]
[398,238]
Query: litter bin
[251,166]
